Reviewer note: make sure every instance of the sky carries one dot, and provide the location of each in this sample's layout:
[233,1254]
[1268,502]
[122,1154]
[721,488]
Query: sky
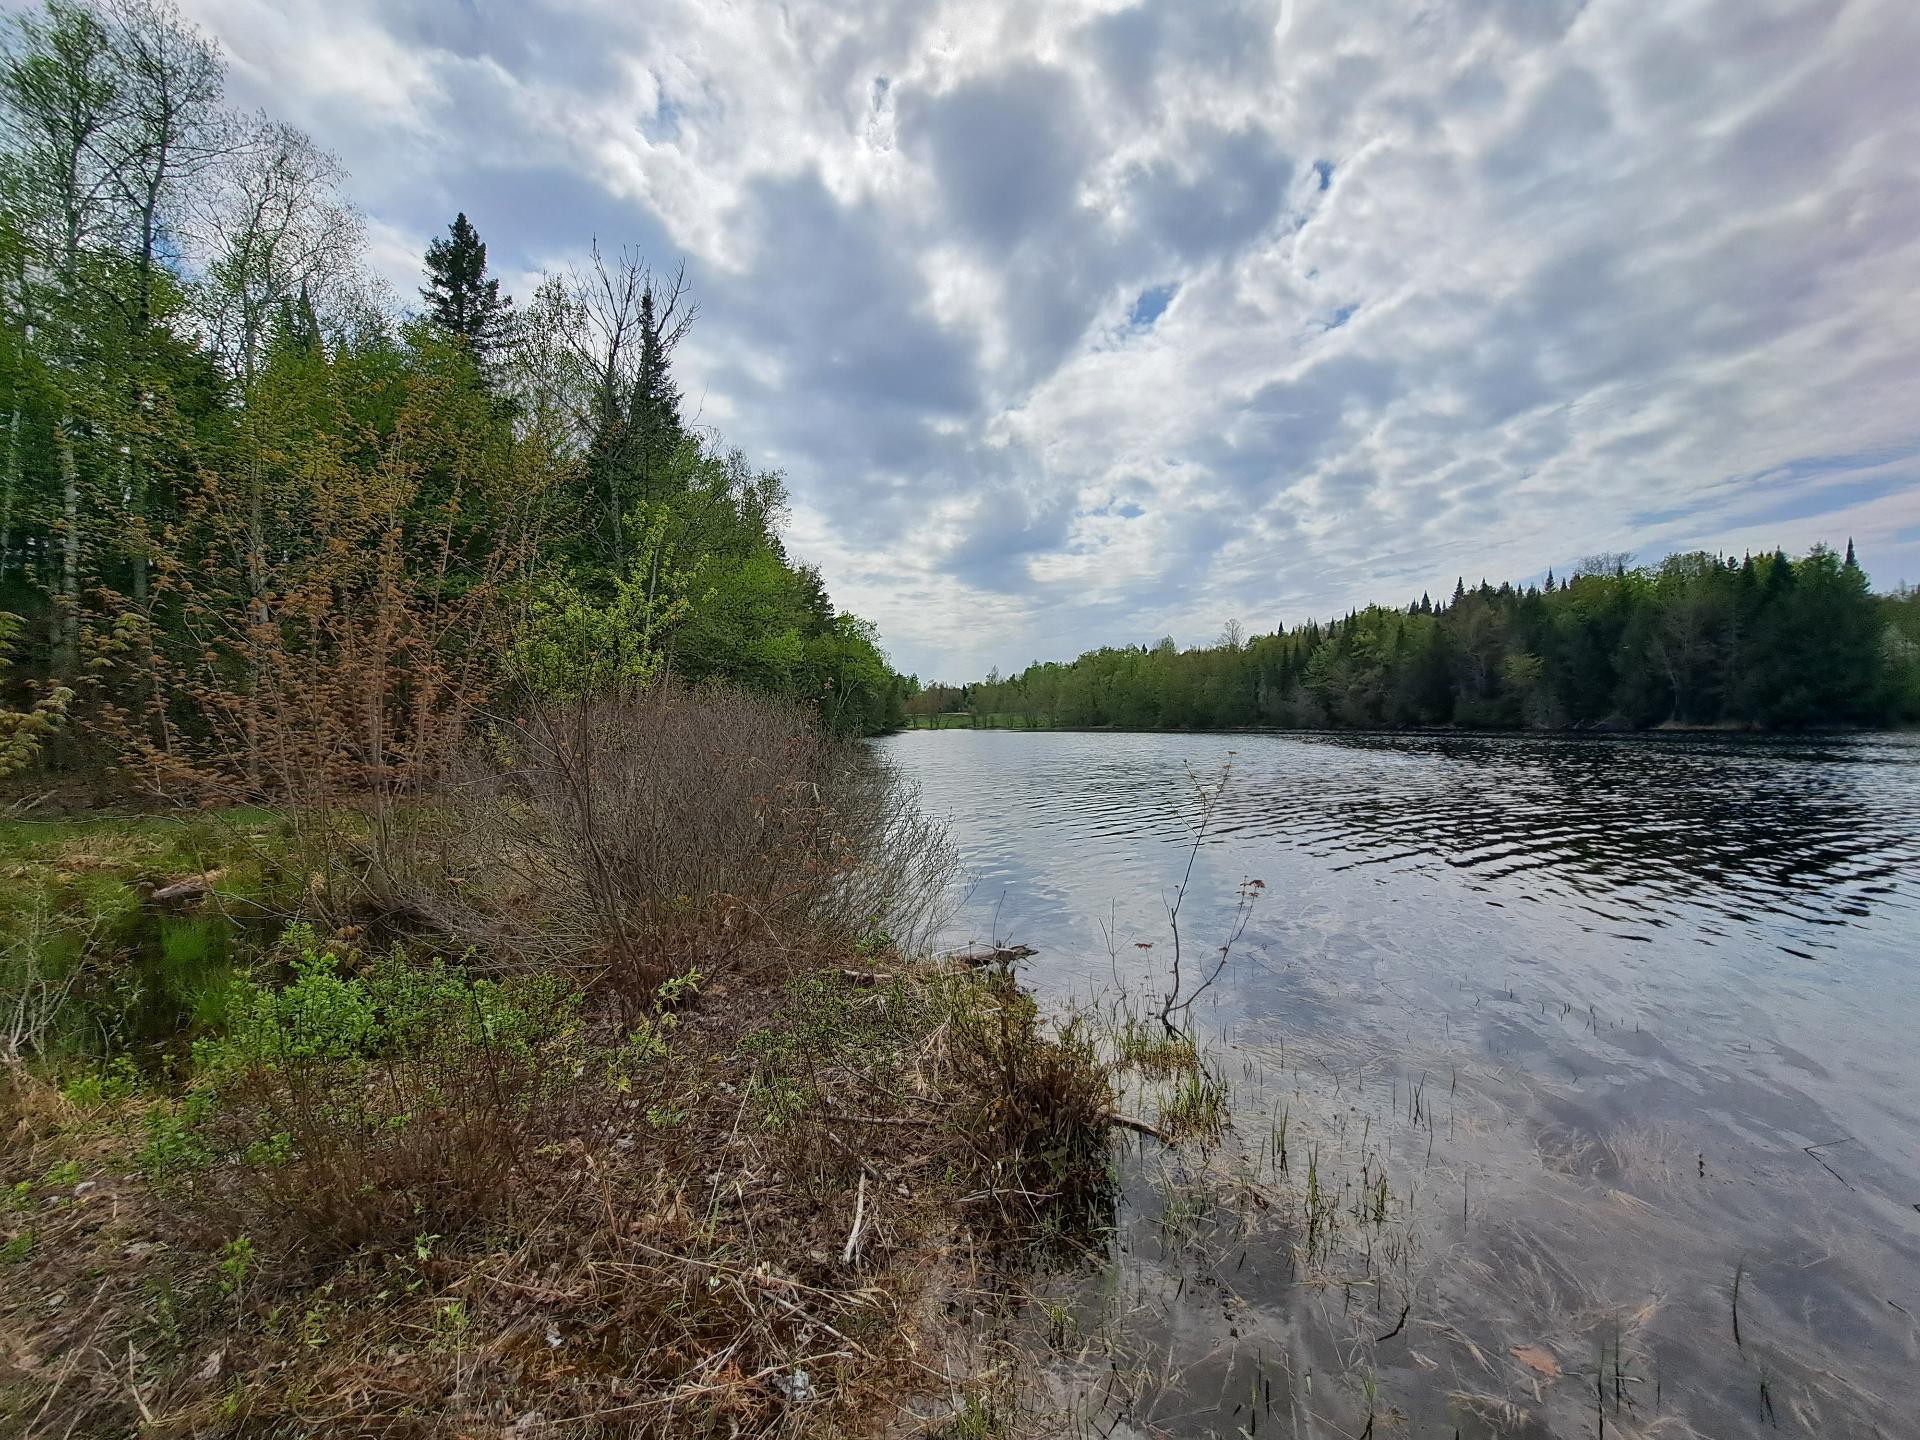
[1079,323]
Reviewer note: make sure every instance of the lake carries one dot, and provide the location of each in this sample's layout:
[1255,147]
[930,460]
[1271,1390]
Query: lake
[1600,1053]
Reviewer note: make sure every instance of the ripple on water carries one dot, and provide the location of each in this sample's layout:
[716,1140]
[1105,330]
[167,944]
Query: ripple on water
[1654,971]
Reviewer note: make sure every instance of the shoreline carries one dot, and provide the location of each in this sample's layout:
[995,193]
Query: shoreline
[1566,733]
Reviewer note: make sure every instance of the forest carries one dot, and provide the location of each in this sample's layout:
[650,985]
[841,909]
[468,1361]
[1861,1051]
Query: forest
[258,515]
[1699,640]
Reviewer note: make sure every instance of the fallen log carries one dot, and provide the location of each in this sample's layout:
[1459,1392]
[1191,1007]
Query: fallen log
[185,892]
[978,955]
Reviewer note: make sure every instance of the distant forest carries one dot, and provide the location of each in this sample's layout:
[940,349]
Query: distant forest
[1757,642]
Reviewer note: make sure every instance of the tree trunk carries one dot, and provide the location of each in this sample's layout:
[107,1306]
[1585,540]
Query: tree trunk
[137,499]
[142,324]
[9,487]
[67,651]
[256,612]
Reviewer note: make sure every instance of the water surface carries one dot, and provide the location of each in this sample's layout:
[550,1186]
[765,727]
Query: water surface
[1618,1019]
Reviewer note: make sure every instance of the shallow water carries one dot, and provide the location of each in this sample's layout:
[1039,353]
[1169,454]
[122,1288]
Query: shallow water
[1618,1020]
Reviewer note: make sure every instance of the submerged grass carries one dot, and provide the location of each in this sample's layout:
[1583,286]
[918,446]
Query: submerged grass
[1150,1047]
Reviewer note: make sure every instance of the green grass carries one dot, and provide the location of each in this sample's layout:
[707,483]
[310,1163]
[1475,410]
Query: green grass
[962,720]
[1148,1046]
[113,972]
[1196,1104]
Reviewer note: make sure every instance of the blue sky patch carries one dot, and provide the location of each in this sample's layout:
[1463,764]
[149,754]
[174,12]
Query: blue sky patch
[1150,305]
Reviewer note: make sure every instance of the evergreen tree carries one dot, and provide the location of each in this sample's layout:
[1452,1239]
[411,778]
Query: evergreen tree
[460,296]
[654,414]
[1700,639]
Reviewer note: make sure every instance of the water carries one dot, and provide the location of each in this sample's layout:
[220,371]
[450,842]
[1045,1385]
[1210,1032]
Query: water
[1617,1019]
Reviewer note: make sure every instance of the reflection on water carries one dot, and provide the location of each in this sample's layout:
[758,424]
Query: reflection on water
[1671,986]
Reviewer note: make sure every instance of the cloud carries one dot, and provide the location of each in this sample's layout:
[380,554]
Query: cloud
[1081,323]
[1007,151]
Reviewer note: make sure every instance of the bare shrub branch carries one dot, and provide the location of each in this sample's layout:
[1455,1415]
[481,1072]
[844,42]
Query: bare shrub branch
[677,828]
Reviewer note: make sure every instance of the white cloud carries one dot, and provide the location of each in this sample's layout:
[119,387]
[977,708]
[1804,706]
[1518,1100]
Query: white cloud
[1465,288]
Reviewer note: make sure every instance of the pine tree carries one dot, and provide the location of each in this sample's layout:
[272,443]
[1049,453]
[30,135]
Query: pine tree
[654,414]
[460,297]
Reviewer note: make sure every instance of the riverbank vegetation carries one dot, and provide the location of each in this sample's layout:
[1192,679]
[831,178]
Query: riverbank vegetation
[621,1106]
[459,970]
[313,1183]
[1760,642]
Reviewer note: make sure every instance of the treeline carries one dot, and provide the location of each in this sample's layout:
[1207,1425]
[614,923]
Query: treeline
[257,518]
[1759,642]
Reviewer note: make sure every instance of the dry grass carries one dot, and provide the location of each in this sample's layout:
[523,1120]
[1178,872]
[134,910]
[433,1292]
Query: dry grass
[683,1259]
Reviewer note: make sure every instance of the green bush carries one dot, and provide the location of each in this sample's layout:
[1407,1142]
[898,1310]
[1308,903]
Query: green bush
[363,1101]
[1042,1109]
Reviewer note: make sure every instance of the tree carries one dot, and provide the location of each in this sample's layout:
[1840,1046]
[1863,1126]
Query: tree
[171,130]
[1696,640]
[596,358]
[278,235]
[461,298]
[60,95]
[262,538]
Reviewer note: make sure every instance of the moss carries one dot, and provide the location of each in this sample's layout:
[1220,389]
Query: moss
[75,914]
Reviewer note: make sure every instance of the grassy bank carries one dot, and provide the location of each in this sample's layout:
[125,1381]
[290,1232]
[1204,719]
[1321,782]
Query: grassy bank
[392,1198]
[966,720]
[606,1091]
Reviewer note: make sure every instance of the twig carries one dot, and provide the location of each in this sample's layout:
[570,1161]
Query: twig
[1405,1310]
[1738,1271]
[891,1119]
[133,1386]
[980,1197]
[854,1155]
[852,1247]
[1129,1122]
[674,1397]
[1814,1150]
[796,1309]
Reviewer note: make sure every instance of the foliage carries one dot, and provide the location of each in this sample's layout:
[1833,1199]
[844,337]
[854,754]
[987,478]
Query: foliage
[575,647]
[348,1105]
[267,540]
[1766,642]
[664,552]
[23,732]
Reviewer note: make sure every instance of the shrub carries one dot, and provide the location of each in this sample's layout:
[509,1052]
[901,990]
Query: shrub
[1043,1109]
[38,966]
[684,826]
[345,1107]
[22,732]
